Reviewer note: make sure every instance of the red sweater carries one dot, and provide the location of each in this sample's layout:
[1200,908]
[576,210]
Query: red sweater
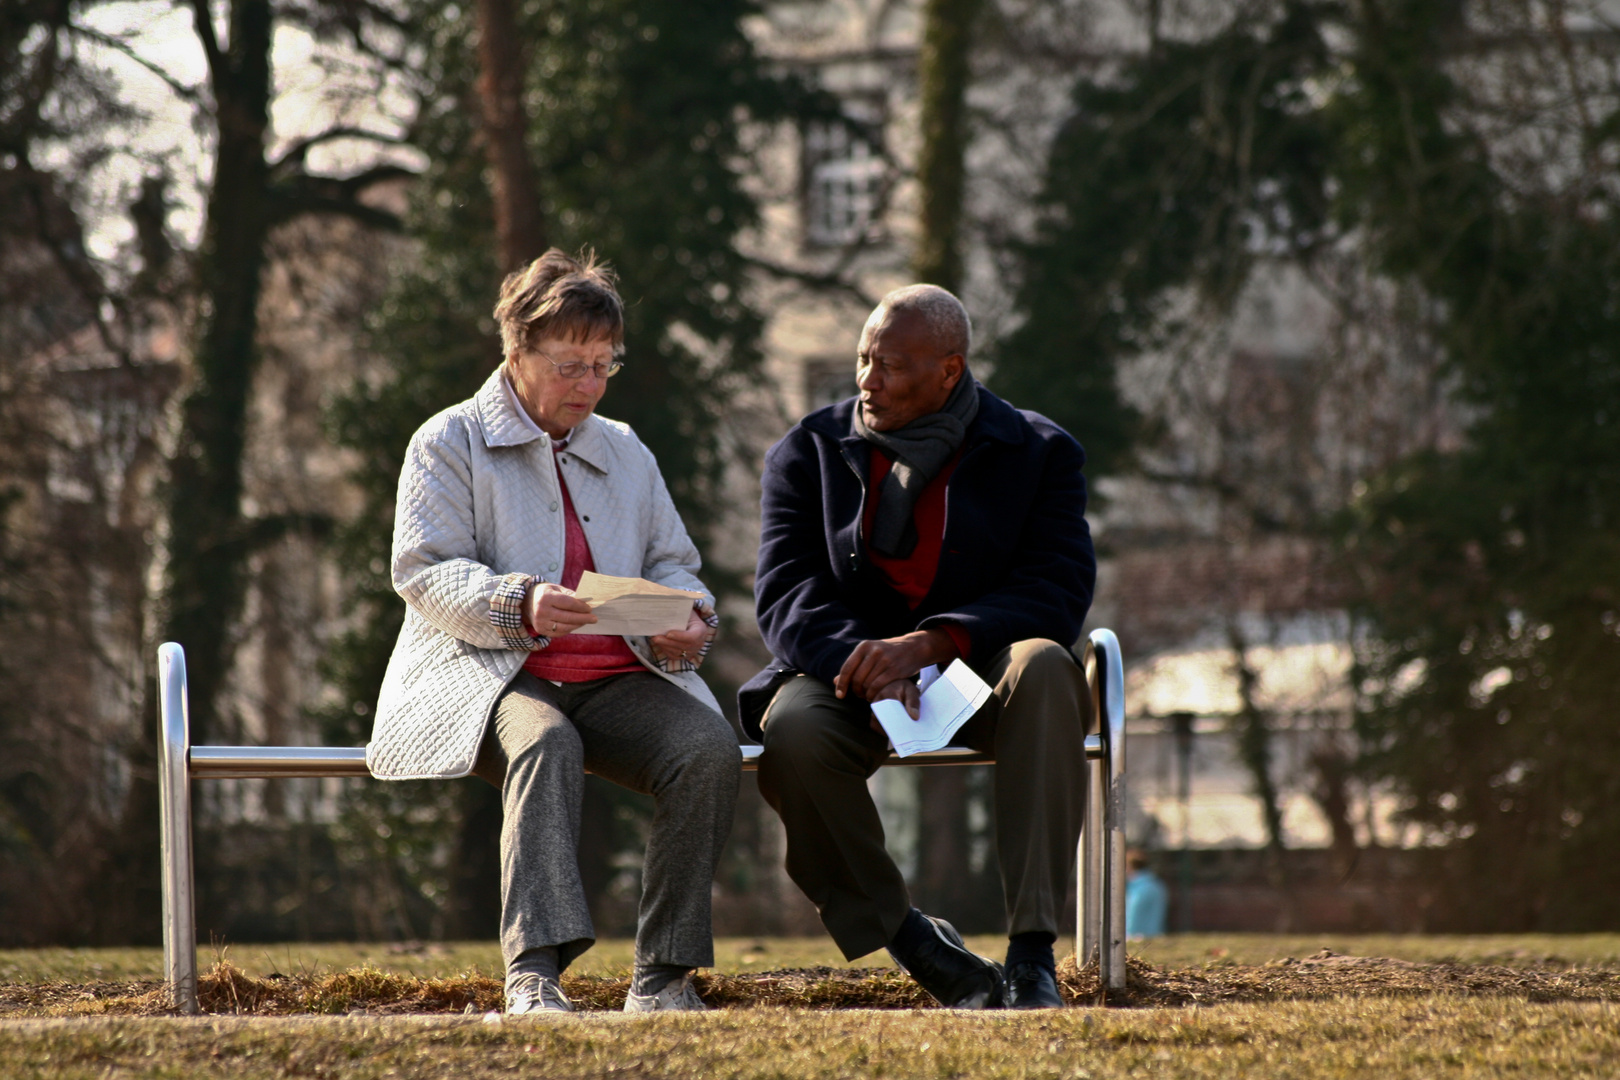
[579,657]
[913,576]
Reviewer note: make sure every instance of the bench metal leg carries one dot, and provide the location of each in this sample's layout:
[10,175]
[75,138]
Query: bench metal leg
[1113,713]
[1100,890]
[1089,887]
[174,801]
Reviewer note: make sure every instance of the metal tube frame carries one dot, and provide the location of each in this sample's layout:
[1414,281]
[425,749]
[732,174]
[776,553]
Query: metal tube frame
[1100,894]
[174,808]
[1101,871]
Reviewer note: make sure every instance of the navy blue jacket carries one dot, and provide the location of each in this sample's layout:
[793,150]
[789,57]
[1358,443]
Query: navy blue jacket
[1017,560]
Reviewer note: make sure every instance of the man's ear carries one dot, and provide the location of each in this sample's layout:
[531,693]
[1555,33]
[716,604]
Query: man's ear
[953,366]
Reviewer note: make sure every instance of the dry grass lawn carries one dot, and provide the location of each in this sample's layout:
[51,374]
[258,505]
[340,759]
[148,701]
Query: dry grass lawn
[1196,1006]
[1359,1038]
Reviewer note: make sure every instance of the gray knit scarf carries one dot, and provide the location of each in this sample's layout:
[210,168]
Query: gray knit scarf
[920,450]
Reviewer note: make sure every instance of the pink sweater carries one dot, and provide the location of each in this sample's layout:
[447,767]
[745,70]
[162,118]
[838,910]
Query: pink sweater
[579,657]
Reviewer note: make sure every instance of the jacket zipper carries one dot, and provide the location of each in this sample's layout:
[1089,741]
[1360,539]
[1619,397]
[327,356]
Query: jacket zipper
[860,518]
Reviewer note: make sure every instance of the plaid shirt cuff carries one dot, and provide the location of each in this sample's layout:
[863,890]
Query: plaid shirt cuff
[506,614]
[680,664]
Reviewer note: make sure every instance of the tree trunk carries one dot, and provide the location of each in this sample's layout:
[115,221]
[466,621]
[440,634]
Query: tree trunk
[520,236]
[943,79]
[520,233]
[475,870]
[206,543]
[1331,792]
[942,854]
[203,572]
[1254,747]
[942,842]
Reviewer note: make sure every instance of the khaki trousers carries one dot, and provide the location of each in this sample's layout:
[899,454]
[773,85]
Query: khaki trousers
[820,751]
[643,733]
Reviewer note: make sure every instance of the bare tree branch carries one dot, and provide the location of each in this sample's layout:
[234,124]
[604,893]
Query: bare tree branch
[306,194]
[832,282]
[204,21]
[187,93]
[354,14]
[298,151]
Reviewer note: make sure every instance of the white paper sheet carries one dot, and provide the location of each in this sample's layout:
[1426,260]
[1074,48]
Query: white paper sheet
[633,605]
[948,700]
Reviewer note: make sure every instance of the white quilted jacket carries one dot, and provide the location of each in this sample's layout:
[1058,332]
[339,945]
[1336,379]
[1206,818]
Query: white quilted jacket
[479,511]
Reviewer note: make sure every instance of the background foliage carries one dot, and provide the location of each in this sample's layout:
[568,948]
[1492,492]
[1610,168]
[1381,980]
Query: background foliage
[1482,574]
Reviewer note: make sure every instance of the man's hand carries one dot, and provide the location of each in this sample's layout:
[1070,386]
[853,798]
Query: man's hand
[875,664]
[684,644]
[552,611]
[905,692]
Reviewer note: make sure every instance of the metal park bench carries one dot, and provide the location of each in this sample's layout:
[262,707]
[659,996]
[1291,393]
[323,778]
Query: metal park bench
[1100,933]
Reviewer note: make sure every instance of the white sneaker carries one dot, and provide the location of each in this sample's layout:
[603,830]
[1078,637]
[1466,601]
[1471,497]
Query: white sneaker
[679,996]
[530,993]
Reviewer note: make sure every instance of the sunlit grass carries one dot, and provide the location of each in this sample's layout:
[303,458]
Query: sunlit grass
[747,954]
[1332,1040]
[1512,950]
[1324,1022]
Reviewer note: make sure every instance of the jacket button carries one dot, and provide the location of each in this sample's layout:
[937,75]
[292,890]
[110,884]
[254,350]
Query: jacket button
[854,560]
[553,507]
[553,566]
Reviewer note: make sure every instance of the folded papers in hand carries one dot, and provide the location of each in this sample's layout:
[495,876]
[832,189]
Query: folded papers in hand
[633,606]
[948,700]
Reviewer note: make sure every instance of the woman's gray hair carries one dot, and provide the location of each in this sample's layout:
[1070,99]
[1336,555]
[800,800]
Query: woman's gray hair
[947,320]
[558,296]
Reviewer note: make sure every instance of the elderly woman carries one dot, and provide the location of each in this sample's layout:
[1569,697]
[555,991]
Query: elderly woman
[504,501]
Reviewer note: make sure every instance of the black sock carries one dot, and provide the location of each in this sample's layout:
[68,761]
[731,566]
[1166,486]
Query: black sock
[651,978]
[912,934]
[1032,947]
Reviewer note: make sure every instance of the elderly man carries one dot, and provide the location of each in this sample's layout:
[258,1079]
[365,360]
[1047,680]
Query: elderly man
[923,521]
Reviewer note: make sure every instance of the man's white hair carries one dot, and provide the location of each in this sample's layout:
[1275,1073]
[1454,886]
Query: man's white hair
[942,313]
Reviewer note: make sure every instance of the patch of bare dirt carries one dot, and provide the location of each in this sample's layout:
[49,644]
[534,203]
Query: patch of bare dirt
[228,990]
[62,998]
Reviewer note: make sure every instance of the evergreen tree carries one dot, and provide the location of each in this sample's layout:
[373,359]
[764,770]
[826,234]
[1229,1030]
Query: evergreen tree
[1494,599]
[1169,175]
[1484,574]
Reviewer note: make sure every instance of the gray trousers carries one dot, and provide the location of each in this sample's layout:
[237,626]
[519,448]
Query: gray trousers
[820,751]
[643,733]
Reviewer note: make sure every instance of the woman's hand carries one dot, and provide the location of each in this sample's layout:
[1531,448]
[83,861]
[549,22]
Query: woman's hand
[684,644]
[552,611]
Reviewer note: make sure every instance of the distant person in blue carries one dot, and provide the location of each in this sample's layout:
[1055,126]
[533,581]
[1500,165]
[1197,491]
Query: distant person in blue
[1146,898]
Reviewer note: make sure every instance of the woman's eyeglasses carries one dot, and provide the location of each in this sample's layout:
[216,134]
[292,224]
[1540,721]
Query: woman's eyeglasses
[577,369]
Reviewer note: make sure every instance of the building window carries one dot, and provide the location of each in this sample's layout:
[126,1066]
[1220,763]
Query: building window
[843,182]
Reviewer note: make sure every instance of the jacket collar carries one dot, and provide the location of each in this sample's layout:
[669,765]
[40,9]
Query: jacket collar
[996,420]
[503,425]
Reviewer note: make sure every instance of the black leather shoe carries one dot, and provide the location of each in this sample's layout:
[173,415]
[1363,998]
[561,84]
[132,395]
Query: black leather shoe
[1032,986]
[957,978]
